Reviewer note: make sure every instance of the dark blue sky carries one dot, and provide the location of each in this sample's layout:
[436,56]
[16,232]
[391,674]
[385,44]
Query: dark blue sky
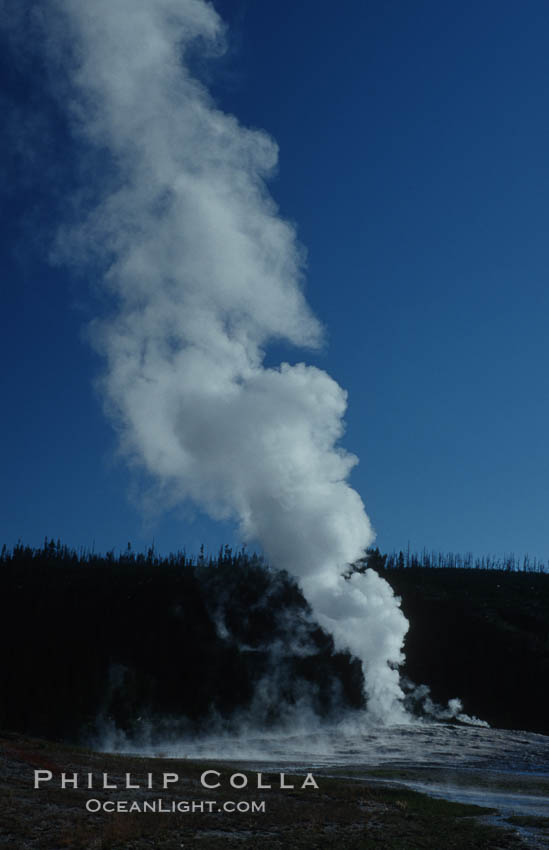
[414,160]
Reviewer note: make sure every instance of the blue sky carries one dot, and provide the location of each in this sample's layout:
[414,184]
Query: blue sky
[414,162]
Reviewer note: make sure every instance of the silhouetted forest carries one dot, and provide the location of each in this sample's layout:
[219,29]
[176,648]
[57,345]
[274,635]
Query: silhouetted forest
[91,639]
[452,560]
[481,635]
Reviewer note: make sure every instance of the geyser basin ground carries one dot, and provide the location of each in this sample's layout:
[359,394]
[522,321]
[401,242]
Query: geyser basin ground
[507,771]
[356,813]
[502,769]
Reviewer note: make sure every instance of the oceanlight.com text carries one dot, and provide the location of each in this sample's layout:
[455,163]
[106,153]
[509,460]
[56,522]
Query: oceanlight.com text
[161,806]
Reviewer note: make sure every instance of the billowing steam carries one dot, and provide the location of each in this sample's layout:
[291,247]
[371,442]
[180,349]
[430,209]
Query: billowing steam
[205,273]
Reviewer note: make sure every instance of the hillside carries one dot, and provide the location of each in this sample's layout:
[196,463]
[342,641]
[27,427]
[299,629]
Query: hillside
[481,635]
[95,642]
[91,642]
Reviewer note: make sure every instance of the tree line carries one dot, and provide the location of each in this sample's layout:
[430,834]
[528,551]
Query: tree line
[450,560]
[90,641]
[121,639]
[53,551]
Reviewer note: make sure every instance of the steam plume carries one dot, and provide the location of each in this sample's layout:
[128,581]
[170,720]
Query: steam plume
[205,273]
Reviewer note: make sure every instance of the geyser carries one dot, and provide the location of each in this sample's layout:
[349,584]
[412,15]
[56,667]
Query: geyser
[204,273]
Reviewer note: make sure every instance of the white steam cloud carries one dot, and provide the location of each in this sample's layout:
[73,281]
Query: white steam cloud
[205,273]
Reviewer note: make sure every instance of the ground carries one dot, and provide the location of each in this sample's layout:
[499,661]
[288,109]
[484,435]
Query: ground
[344,813]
